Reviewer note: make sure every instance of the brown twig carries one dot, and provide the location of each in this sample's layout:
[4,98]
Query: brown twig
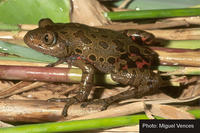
[136,107]
[19,35]
[172,56]
[3,124]
[29,111]
[124,3]
[157,25]
[94,13]
[43,111]
[27,27]
[177,34]
[190,20]
[20,87]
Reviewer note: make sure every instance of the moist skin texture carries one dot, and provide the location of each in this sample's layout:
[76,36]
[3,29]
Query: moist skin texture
[90,49]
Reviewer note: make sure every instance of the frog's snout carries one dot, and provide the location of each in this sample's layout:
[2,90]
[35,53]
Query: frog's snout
[28,38]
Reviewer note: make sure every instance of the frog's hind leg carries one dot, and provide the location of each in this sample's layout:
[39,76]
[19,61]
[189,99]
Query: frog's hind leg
[140,36]
[143,80]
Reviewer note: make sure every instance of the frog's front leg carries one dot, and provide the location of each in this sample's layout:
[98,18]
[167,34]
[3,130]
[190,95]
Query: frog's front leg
[144,81]
[140,36]
[85,86]
[69,60]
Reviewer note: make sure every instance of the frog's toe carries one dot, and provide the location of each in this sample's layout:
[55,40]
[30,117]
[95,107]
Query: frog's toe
[68,101]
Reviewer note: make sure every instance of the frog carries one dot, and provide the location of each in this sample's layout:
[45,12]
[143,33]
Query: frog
[122,54]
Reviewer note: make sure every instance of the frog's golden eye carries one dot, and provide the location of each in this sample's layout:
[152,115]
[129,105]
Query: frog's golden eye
[49,38]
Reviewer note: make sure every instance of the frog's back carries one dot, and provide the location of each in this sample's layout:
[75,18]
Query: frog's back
[106,49]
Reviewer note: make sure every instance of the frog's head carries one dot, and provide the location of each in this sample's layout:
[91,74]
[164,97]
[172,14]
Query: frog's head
[46,39]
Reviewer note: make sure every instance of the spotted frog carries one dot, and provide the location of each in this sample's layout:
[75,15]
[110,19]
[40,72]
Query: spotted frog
[115,52]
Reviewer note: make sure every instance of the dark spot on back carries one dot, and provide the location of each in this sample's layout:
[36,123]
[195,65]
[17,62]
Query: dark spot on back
[148,51]
[111,60]
[131,63]
[101,59]
[78,51]
[119,45]
[137,39]
[145,58]
[134,50]
[124,56]
[86,40]
[80,34]
[103,44]
[92,57]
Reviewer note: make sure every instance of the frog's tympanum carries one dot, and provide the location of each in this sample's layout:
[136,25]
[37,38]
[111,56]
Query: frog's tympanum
[108,51]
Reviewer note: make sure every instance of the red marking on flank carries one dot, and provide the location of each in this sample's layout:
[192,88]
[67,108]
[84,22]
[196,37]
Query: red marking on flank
[78,58]
[132,54]
[125,67]
[141,64]
[133,38]
[143,39]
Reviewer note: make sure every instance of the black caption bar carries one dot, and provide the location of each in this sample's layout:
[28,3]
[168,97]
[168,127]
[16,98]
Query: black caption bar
[170,126]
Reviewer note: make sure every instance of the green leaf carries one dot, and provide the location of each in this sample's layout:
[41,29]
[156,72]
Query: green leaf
[31,11]
[25,52]
[195,112]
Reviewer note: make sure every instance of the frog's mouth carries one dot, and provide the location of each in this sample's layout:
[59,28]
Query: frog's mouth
[34,43]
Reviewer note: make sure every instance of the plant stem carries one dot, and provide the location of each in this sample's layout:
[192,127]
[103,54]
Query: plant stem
[76,125]
[146,14]
[81,125]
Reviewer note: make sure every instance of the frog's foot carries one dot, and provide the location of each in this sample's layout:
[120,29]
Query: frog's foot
[103,103]
[68,101]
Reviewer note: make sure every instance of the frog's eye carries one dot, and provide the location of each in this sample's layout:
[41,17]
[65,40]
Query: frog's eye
[49,38]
